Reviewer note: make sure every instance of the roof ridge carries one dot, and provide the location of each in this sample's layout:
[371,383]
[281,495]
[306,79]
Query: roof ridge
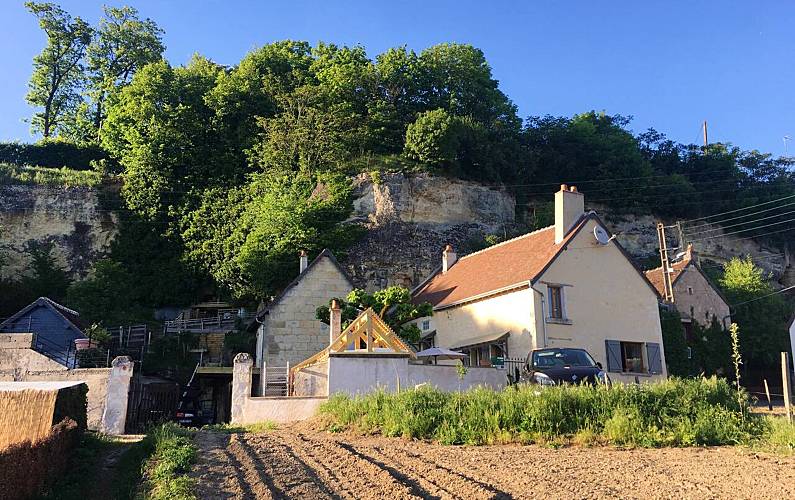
[507,241]
[60,306]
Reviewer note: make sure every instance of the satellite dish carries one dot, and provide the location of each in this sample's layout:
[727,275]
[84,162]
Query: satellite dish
[601,235]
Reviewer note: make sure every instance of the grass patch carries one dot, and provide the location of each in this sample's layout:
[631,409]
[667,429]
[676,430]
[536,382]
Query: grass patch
[675,412]
[257,428]
[61,177]
[83,464]
[173,454]
[778,437]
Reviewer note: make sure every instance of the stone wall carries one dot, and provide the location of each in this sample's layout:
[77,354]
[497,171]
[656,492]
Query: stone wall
[290,332]
[251,410]
[312,380]
[71,219]
[103,411]
[17,356]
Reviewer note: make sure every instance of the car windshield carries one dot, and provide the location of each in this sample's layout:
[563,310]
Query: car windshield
[550,358]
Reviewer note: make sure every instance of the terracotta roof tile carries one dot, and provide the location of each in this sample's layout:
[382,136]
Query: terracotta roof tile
[501,266]
[655,276]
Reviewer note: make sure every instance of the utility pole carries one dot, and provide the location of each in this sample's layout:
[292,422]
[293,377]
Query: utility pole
[706,141]
[668,289]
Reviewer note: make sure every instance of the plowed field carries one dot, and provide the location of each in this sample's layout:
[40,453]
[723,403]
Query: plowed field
[296,463]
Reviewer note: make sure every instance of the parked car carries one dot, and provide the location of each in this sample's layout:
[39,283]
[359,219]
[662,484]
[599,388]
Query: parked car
[556,366]
[191,411]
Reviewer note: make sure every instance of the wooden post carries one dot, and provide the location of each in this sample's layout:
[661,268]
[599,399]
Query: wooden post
[767,392]
[785,378]
[369,335]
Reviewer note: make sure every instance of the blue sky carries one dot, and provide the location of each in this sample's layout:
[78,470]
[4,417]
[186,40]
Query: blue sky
[670,65]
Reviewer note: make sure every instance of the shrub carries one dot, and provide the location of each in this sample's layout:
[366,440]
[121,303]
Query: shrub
[43,176]
[53,153]
[675,412]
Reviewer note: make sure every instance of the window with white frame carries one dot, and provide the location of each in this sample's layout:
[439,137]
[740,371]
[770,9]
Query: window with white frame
[426,325]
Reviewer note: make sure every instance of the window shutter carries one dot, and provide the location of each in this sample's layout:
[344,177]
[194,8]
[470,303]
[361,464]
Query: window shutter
[613,356]
[653,354]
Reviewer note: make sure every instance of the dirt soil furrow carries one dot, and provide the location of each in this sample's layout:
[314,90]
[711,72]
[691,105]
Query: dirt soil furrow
[297,462]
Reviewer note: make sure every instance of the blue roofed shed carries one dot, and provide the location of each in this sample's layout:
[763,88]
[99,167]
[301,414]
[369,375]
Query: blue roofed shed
[55,328]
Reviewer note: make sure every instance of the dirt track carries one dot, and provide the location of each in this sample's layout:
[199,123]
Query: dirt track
[294,463]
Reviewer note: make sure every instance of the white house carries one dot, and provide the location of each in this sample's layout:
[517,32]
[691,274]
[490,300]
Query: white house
[792,337]
[567,285]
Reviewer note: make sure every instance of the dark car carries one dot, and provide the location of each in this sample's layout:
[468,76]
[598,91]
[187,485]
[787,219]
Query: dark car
[556,366]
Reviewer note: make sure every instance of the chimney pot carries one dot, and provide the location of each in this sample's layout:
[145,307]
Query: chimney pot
[564,187]
[573,189]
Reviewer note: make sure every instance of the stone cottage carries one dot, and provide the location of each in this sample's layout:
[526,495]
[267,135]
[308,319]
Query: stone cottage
[696,297]
[288,330]
[567,285]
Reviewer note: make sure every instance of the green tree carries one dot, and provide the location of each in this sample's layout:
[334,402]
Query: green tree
[123,43]
[675,344]
[760,316]
[47,278]
[57,71]
[248,239]
[433,138]
[161,130]
[393,304]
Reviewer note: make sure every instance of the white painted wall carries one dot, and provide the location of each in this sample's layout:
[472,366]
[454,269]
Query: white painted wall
[509,312]
[361,374]
[607,299]
[792,340]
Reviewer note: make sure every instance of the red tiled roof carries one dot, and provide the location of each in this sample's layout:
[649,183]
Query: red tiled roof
[512,262]
[655,276]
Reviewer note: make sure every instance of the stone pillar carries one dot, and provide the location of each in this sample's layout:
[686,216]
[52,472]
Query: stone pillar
[241,385]
[114,417]
[335,321]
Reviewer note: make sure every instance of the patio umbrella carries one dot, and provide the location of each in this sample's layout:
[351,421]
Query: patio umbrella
[440,353]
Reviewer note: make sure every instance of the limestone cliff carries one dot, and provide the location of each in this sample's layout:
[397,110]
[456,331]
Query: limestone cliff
[70,219]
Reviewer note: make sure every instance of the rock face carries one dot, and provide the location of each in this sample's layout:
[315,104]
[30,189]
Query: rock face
[638,235]
[411,219]
[69,219]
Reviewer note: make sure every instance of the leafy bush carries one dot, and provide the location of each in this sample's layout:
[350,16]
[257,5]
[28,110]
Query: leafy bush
[675,412]
[45,176]
[53,154]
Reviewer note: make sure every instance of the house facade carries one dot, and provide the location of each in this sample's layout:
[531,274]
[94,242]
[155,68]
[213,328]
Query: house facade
[288,330]
[567,285]
[792,337]
[54,327]
[696,298]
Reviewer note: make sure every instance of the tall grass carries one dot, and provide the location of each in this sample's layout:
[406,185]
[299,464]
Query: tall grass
[61,177]
[675,412]
[173,454]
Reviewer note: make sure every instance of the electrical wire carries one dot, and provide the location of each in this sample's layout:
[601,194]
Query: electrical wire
[763,296]
[741,223]
[748,237]
[740,209]
[741,216]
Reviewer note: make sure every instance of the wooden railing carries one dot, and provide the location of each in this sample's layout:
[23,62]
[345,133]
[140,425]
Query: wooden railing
[202,324]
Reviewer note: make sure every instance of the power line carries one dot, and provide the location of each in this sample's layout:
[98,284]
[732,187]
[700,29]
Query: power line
[748,237]
[740,209]
[742,216]
[763,296]
[742,223]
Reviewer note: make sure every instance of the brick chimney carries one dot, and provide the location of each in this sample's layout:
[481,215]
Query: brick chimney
[569,207]
[335,321]
[303,261]
[449,257]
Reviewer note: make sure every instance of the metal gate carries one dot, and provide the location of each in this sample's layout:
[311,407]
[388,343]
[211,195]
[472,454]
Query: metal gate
[150,404]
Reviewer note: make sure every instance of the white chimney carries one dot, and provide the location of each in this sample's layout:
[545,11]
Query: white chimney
[448,258]
[569,207]
[303,261]
[335,321]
